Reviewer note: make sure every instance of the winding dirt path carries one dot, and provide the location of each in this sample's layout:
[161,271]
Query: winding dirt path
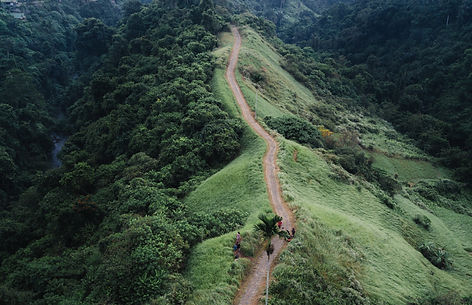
[254,284]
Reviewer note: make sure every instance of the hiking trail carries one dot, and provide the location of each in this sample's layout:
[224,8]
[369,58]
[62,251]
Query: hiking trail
[253,286]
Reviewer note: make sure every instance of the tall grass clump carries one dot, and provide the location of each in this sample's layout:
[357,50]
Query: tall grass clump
[422,220]
[449,298]
[438,256]
[320,266]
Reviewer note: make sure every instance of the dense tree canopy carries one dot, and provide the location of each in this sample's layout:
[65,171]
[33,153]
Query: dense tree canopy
[109,225]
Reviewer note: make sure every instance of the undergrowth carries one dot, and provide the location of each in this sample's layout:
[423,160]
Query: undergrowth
[320,266]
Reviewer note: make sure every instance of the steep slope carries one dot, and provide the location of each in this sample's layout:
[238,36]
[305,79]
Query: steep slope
[381,243]
[350,245]
[110,225]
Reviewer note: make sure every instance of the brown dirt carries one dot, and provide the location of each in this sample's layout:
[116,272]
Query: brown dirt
[253,286]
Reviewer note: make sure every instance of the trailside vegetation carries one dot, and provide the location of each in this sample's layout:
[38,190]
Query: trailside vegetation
[296,129]
[331,184]
[109,226]
[407,61]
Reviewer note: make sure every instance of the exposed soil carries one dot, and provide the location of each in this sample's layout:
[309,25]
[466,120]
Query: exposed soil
[253,286]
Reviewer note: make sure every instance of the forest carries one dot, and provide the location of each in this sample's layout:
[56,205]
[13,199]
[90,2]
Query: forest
[143,129]
[128,86]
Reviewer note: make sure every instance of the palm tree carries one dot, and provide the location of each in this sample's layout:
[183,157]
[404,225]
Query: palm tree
[268,227]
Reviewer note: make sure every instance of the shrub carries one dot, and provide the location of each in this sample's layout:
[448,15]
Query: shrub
[387,201]
[436,255]
[356,162]
[422,220]
[296,129]
[386,183]
[218,222]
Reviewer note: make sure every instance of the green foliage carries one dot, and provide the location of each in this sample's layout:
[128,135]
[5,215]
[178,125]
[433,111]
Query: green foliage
[438,256]
[218,222]
[356,162]
[422,220]
[36,67]
[386,200]
[317,268]
[93,37]
[137,261]
[268,228]
[296,129]
[80,179]
[345,51]
[145,128]
[445,193]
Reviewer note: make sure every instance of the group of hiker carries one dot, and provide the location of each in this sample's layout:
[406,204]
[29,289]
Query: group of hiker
[290,235]
[237,245]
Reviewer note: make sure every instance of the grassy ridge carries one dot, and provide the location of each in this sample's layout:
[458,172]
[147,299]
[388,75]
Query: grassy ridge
[349,245]
[212,270]
[381,252]
[278,92]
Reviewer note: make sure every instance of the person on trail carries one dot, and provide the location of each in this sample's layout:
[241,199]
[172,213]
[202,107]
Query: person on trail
[293,232]
[279,224]
[288,237]
[236,251]
[238,238]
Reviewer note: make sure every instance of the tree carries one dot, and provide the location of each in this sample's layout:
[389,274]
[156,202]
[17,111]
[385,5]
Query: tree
[268,227]
[93,37]
[130,7]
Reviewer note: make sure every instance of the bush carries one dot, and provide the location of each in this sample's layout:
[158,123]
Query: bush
[387,201]
[422,220]
[218,222]
[356,162]
[386,183]
[436,255]
[296,129]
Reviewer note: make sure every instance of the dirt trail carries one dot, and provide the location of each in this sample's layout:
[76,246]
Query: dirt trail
[253,286]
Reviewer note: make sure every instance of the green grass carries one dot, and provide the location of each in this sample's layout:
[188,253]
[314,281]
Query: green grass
[347,239]
[278,93]
[212,270]
[380,135]
[408,170]
[392,270]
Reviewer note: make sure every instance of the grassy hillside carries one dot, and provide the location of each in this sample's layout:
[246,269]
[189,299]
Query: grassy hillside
[350,247]
[383,240]
[212,270]
[375,247]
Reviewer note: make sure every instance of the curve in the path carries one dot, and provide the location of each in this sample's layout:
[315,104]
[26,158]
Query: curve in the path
[253,285]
